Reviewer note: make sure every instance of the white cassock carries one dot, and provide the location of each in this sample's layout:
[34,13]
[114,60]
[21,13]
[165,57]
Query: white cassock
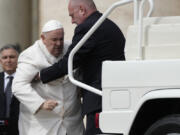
[66,117]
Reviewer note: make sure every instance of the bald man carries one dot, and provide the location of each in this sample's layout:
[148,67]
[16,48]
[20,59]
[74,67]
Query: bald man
[107,43]
[53,108]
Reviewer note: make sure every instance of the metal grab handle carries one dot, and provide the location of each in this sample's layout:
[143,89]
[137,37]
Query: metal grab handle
[83,40]
[151,3]
[136,10]
[140,26]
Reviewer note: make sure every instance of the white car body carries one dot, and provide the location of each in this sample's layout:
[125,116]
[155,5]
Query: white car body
[128,85]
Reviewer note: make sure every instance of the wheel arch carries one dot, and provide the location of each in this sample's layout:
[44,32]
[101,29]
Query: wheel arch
[154,106]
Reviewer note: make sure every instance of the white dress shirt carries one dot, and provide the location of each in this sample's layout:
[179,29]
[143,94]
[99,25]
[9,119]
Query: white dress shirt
[6,79]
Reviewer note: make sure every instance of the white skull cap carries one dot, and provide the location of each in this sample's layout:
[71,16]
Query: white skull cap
[52,25]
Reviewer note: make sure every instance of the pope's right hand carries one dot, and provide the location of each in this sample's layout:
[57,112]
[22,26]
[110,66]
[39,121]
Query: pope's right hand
[49,105]
[36,78]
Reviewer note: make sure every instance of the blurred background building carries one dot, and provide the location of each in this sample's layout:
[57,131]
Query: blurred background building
[21,20]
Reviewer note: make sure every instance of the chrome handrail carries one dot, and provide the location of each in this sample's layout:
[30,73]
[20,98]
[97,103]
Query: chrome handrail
[136,10]
[151,3]
[140,26]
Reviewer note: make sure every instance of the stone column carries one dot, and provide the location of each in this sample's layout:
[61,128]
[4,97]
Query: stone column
[34,20]
[15,24]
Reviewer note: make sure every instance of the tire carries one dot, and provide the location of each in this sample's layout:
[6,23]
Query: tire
[169,125]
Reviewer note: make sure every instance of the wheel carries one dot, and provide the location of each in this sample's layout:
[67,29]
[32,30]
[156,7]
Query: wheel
[170,125]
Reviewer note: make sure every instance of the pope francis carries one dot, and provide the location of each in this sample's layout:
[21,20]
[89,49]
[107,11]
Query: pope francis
[52,108]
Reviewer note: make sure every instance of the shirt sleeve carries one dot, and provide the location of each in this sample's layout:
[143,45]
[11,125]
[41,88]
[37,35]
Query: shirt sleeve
[22,87]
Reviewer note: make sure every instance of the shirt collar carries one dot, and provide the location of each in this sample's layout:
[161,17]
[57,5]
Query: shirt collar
[51,59]
[6,74]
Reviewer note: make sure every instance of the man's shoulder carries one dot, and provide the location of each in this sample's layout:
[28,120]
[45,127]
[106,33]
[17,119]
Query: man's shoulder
[1,74]
[89,22]
[29,52]
[30,48]
[1,81]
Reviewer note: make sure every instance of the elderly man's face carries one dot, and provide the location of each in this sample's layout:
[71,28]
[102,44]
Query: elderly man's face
[8,60]
[77,13]
[54,41]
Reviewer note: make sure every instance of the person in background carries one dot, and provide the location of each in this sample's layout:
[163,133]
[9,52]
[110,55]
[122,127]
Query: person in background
[46,109]
[9,105]
[107,43]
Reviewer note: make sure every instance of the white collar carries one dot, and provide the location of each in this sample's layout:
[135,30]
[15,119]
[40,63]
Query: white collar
[49,56]
[7,75]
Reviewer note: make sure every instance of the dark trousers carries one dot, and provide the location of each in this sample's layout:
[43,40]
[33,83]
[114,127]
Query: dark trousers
[91,128]
[13,127]
[9,129]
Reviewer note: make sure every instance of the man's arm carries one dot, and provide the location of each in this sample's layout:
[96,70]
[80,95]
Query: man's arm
[55,71]
[26,94]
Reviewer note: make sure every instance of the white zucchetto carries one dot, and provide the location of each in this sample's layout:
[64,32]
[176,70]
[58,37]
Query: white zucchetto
[52,25]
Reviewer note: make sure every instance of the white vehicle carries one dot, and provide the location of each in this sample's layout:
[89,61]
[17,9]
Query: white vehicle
[141,96]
